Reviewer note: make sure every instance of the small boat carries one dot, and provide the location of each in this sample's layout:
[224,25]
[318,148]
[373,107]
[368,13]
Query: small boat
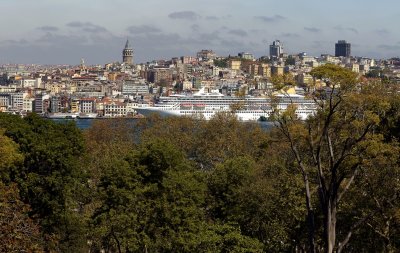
[61,115]
[87,115]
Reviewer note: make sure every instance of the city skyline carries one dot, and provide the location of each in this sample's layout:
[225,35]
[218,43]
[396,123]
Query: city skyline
[49,32]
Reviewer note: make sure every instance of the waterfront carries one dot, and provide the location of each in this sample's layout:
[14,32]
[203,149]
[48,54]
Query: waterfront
[86,123]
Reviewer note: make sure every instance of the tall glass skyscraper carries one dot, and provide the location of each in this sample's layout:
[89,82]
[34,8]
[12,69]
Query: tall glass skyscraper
[276,49]
[342,48]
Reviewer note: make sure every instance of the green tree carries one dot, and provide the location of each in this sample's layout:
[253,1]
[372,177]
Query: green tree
[50,178]
[222,63]
[290,61]
[10,157]
[206,142]
[150,200]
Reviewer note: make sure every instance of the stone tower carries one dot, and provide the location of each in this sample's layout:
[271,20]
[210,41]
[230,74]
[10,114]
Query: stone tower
[127,54]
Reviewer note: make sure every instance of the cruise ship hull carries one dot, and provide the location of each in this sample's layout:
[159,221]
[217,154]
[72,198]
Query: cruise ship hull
[206,105]
[242,115]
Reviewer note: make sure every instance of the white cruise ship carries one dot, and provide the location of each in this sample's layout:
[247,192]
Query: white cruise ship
[205,105]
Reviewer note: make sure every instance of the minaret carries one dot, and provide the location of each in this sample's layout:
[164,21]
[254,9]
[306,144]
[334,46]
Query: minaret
[127,54]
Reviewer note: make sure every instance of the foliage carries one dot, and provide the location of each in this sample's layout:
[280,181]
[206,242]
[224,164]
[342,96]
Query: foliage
[290,61]
[10,157]
[18,232]
[222,63]
[335,146]
[329,183]
[49,178]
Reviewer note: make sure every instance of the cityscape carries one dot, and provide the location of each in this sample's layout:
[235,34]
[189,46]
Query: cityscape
[215,126]
[116,89]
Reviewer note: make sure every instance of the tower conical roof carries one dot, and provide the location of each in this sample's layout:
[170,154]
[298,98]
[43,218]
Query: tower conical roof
[127,45]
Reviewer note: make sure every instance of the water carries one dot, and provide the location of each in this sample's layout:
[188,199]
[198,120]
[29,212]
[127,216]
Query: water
[80,123]
[86,123]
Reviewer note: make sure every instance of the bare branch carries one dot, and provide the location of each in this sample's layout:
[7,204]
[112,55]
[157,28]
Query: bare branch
[346,188]
[343,243]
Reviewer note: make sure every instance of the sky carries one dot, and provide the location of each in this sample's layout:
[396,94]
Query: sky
[65,31]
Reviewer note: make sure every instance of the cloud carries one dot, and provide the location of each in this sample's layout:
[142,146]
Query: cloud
[320,44]
[238,32]
[233,44]
[206,37]
[271,19]
[211,18]
[312,29]
[354,30]
[290,35]
[142,29]
[47,28]
[76,24]
[382,32]
[87,27]
[95,29]
[13,42]
[349,29]
[256,30]
[59,40]
[195,28]
[390,47]
[187,15]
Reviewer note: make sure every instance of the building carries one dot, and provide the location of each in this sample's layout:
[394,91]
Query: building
[206,55]
[234,64]
[41,103]
[87,105]
[28,104]
[277,70]
[159,75]
[134,87]
[115,109]
[32,83]
[189,60]
[127,54]
[264,70]
[55,104]
[246,56]
[276,49]
[74,105]
[342,48]
[5,101]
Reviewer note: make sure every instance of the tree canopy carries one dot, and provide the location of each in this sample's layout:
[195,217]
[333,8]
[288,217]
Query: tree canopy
[329,183]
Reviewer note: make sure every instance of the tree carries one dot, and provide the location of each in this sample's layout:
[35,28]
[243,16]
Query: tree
[248,193]
[18,232]
[150,200]
[10,157]
[222,63]
[50,178]
[334,146]
[206,142]
[290,61]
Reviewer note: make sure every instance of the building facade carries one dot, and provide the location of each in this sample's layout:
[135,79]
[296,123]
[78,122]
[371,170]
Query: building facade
[276,49]
[342,48]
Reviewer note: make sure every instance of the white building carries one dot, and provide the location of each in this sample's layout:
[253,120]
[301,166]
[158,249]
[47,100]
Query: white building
[32,83]
[28,104]
[115,109]
[87,105]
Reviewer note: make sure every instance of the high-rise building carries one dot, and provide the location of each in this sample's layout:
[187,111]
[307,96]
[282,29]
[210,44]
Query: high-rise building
[127,54]
[342,48]
[276,49]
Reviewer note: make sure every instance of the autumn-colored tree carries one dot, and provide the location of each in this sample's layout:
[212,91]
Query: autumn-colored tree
[334,147]
[18,232]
